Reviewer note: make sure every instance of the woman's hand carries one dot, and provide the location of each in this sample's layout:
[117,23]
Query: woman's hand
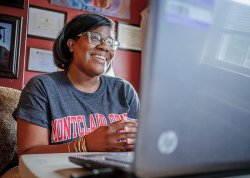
[119,136]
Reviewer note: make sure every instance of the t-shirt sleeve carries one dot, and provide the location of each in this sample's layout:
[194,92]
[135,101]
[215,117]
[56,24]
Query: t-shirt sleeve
[132,100]
[33,104]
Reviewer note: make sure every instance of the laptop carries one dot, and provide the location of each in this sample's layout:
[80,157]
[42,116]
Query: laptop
[195,94]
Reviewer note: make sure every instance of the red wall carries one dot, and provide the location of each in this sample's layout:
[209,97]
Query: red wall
[127,64]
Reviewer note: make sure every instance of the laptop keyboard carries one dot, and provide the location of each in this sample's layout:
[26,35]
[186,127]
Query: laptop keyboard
[122,161]
[127,157]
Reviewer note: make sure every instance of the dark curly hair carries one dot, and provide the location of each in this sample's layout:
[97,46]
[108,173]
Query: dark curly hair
[80,23]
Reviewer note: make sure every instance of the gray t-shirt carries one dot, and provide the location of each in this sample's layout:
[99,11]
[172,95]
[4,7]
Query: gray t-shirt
[51,101]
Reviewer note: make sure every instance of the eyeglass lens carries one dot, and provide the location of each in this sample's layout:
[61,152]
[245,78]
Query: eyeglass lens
[96,38]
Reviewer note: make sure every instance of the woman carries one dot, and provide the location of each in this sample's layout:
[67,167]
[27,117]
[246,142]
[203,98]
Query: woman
[79,109]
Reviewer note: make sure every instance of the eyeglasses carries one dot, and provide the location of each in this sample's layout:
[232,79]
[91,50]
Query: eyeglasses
[96,39]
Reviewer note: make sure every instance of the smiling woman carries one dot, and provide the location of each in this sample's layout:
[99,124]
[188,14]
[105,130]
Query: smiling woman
[79,109]
[98,54]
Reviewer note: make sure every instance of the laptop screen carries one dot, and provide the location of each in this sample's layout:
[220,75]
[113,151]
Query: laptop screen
[195,102]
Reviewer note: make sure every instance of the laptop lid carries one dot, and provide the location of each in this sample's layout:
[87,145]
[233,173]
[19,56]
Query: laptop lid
[195,100]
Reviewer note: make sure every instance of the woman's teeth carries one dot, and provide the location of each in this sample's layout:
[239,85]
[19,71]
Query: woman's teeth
[99,57]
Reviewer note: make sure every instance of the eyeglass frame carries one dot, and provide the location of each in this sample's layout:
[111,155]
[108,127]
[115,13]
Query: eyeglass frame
[116,44]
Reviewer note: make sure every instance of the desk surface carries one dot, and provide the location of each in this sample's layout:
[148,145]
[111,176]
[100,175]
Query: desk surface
[48,165]
[54,166]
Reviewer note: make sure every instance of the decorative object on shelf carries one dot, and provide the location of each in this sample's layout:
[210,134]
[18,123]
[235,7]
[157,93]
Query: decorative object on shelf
[14,3]
[115,8]
[41,60]
[129,36]
[10,38]
[45,23]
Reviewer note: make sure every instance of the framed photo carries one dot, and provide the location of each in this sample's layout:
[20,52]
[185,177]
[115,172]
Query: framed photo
[129,36]
[10,38]
[45,23]
[115,8]
[14,3]
[41,60]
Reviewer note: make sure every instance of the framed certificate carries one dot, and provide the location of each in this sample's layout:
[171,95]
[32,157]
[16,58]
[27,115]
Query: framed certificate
[129,36]
[45,23]
[41,60]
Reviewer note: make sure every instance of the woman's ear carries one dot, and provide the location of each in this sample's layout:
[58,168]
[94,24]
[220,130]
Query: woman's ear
[70,44]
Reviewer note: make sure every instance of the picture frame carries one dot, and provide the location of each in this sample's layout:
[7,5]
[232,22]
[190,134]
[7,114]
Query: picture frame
[41,60]
[13,3]
[114,8]
[129,36]
[10,39]
[45,23]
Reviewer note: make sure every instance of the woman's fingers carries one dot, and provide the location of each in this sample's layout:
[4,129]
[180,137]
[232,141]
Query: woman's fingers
[129,129]
[130,140]
[116,126]
[133,124]
[115,137]
[130,147]
[124,127]
[121,135]
[122,142]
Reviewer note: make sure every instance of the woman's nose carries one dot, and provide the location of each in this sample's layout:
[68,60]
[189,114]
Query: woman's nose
[104,46]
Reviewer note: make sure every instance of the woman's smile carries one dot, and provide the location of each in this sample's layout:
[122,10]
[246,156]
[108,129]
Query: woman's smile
[99,58]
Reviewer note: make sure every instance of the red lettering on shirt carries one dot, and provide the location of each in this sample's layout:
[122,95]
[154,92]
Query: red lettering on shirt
[80,120]
[75,126]
[114,118]
[92,123]
[100,120]
[66,128]
[59,130]
[54,136]
[124,116]
[74,121]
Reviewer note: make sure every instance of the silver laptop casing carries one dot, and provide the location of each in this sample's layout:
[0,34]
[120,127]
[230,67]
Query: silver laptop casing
[195,101]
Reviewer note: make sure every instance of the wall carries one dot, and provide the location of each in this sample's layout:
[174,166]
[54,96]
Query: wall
[127,64]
